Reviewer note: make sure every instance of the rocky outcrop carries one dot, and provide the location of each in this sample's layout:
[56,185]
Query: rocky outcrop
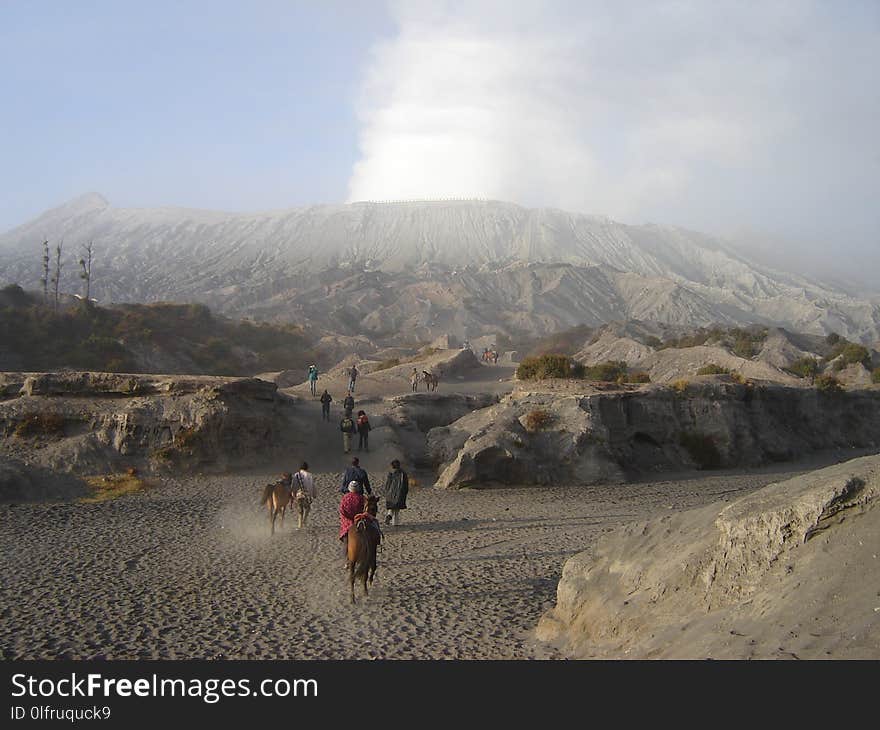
[744,578]
[536,437]
[83,422]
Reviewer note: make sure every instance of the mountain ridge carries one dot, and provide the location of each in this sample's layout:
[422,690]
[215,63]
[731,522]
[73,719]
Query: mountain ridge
[152,254]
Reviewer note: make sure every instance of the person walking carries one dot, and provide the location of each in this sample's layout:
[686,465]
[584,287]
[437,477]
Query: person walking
[348,427]
[348,405]
[326,400]
[355,473]
[313,379]
[305,491]
[396,490]
[364,428]
[352,378]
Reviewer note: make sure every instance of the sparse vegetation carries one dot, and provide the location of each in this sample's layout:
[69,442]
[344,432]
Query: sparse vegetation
[680,386]
[113,486]
[851,354]
[805,367]
[738,377]
[654,342]
[745,343]
[875,376]
[702,449]
[386,364]
[40,424]
[609,372]
[537,420]
[547,366]
[828,384]
[713,369]
[638,376]
[107,339]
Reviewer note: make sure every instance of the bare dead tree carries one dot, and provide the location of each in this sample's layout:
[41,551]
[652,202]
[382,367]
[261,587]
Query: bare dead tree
[56,279]
[86,274]
[45,279]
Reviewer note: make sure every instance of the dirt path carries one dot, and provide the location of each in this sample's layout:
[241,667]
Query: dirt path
[189,570]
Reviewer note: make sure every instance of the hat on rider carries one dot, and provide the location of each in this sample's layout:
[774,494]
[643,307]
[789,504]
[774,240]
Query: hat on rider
[354,486]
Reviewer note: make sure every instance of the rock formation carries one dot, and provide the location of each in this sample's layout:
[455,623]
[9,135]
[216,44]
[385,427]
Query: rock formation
[534,437]
[788,571]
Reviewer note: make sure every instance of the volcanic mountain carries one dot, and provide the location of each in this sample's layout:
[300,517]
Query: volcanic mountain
[423,269]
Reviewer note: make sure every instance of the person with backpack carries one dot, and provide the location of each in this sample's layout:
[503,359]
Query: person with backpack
[355,473]
[363,428]
[352,377]
[326,399]
[348,427]
[396,489]
[304,491]
[348,405]
[313,379]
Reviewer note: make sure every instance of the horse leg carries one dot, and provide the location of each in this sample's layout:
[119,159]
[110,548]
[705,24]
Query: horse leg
[351,581]
[272,517]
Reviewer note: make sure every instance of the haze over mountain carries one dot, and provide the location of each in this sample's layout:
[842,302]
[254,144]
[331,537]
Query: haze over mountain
[420,269]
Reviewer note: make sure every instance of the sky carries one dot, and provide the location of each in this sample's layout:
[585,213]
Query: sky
[752,120]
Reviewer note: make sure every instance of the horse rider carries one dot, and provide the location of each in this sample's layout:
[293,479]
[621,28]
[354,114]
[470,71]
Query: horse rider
[351,505]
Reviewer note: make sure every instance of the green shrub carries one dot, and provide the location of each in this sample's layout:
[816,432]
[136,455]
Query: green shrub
[609,371]
[713,369]
[875,376]
[545,366]
[702,449]
[832,339]
[805,367]
[828,384]
[653,341]
[853,353]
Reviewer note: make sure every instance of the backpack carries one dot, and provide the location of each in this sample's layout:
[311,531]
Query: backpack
[347,425]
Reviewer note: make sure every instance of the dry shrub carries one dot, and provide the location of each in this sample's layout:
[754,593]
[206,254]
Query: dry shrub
[113,486]
[713,369]
[828,384]
[680,386]
[738,377]
[537,420]
[40,424]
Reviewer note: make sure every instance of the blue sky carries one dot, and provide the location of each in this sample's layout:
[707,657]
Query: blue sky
[755,121]
[228,105]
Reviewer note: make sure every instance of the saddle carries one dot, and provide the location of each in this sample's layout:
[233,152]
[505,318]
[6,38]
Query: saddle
[366,521]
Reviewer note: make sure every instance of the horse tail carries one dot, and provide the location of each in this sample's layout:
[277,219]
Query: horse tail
[267,494]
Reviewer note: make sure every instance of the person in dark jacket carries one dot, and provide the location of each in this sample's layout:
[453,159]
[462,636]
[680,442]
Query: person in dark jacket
[364,428]
[355,473]
[348,405]
[396,489]
[326,399]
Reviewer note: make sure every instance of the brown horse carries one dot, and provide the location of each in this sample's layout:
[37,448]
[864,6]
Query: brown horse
[363,541]
[276,497]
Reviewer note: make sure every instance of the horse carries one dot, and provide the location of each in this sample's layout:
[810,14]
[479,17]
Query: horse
[431,380]
[303,505]
[363,541]
[276,497]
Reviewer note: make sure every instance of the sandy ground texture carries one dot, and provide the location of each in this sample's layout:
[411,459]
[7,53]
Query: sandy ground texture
[189,570]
